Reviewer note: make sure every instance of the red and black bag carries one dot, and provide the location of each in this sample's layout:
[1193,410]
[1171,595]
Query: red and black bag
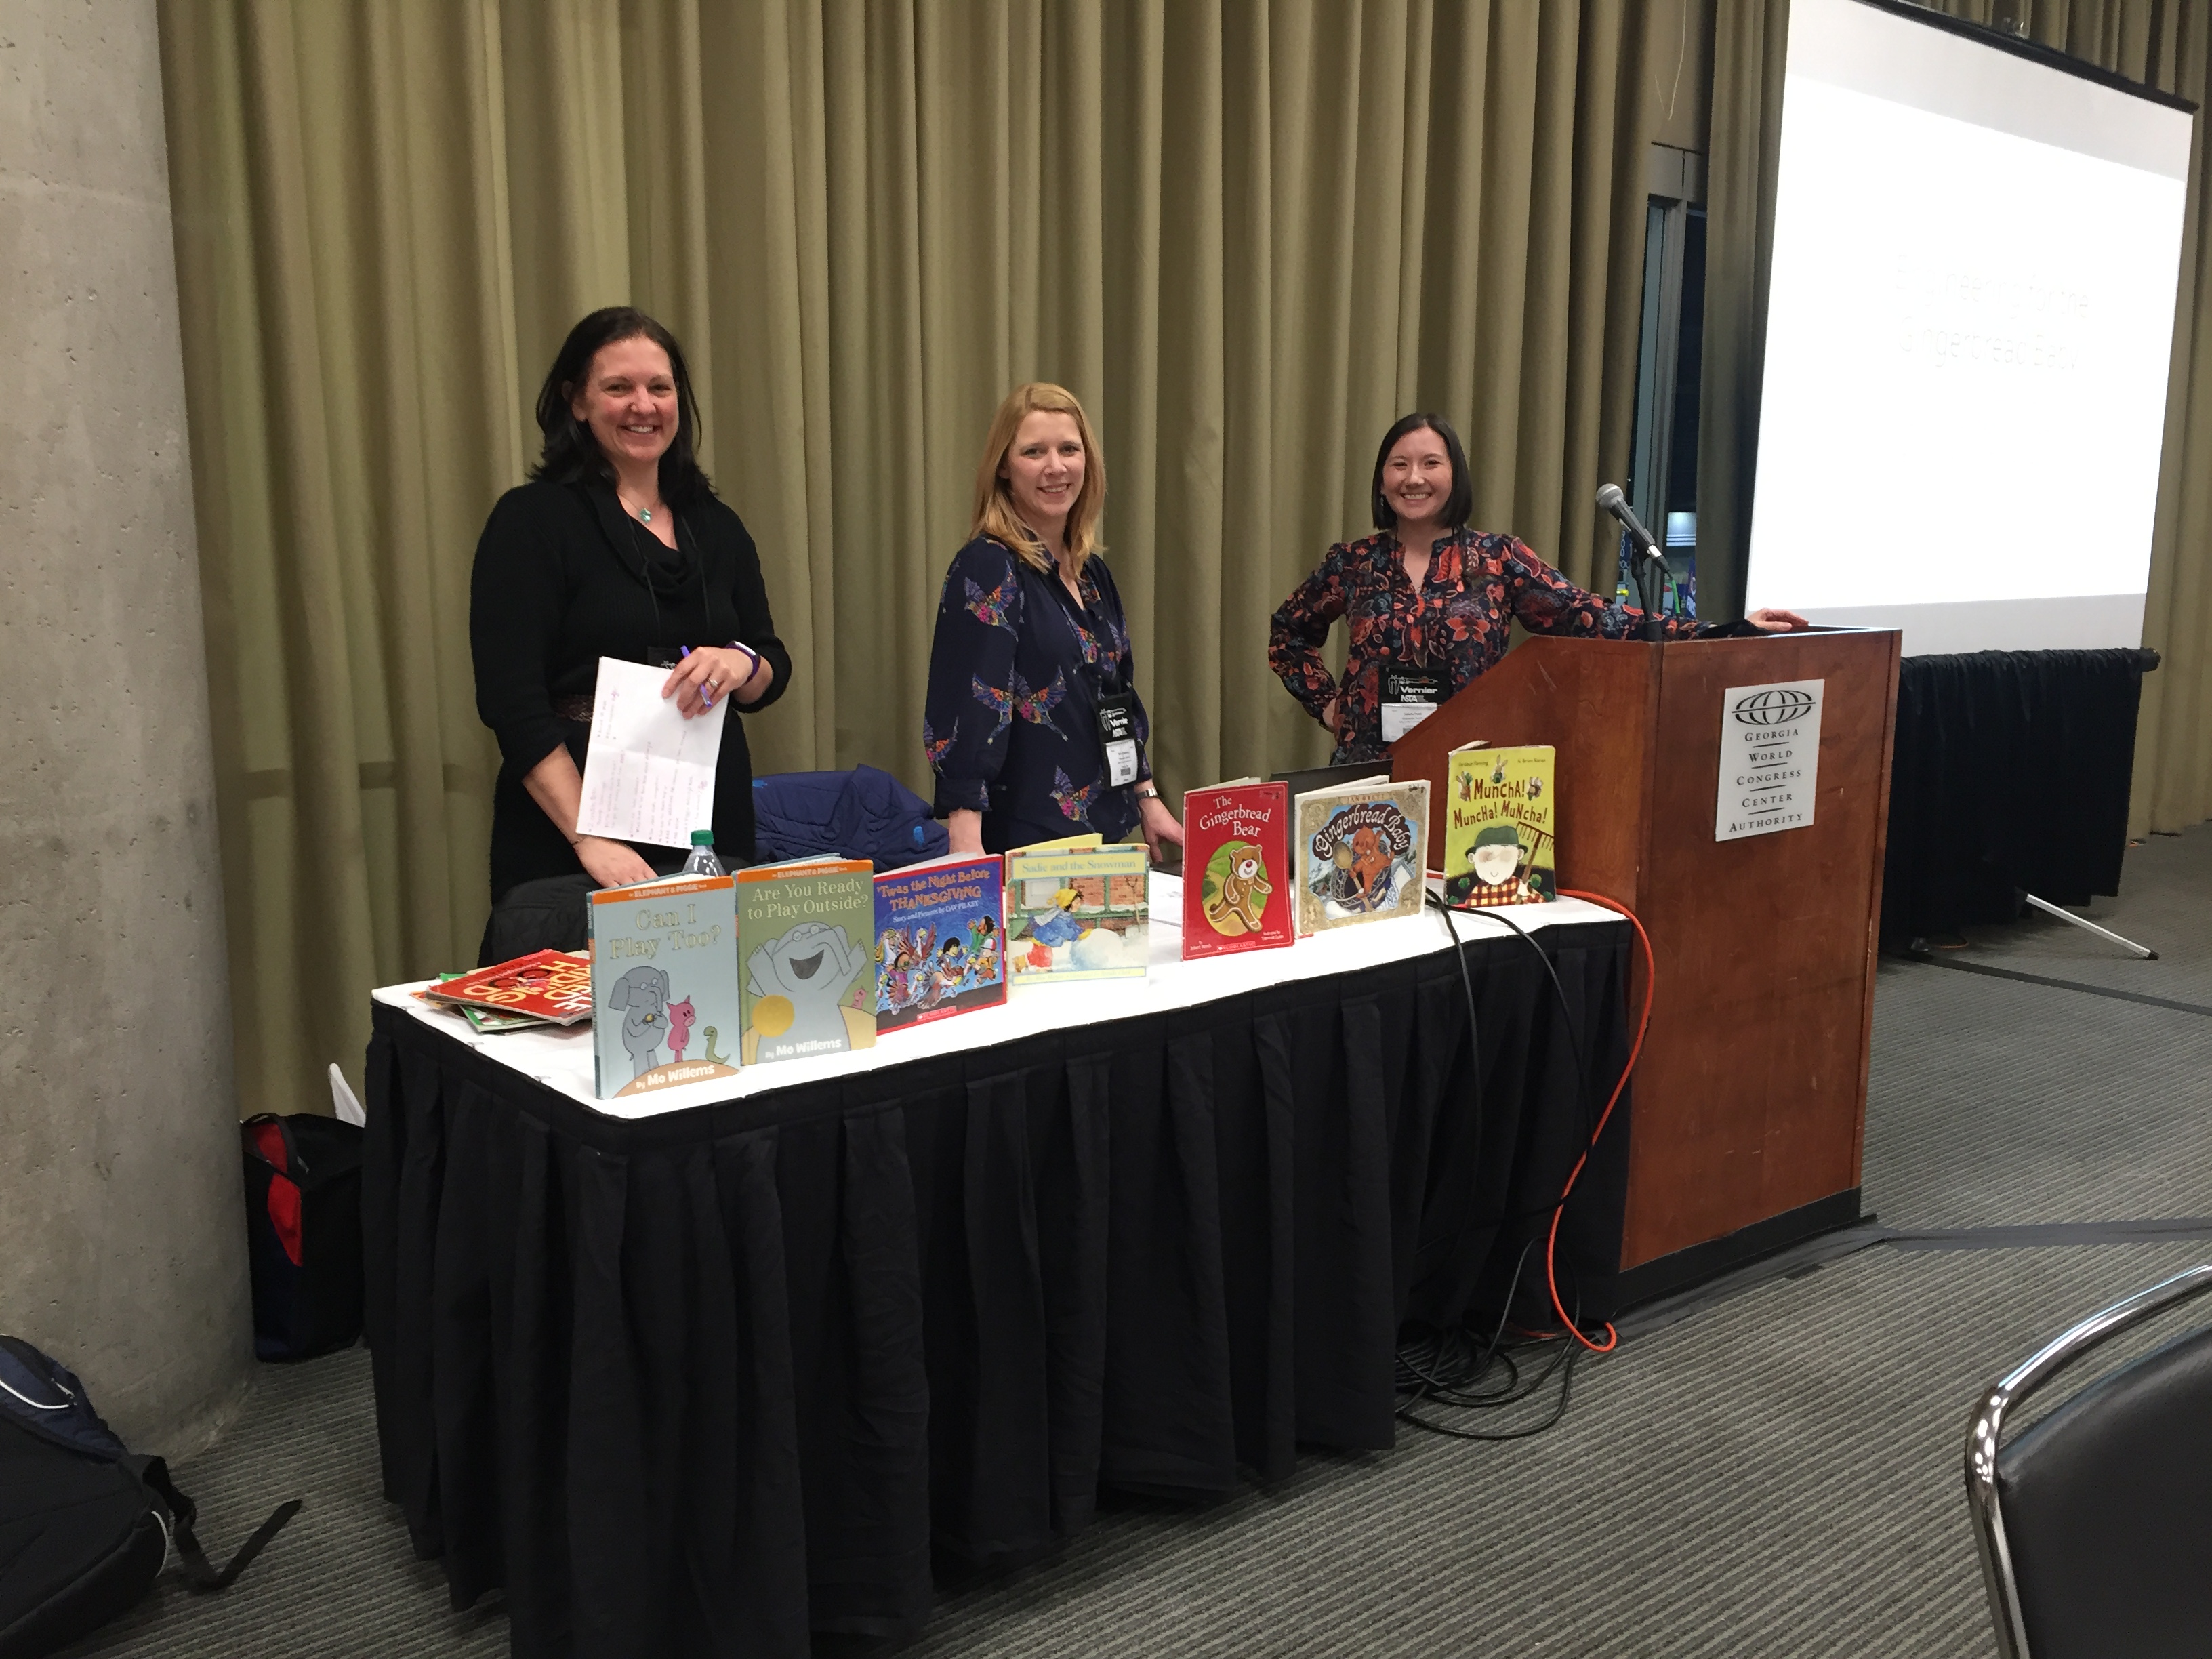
[303,1233]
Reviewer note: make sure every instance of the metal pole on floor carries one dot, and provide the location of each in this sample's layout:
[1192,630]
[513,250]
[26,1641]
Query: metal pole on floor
[2050,909]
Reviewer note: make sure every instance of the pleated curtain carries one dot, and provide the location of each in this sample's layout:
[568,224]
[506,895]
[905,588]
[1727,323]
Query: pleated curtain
[2165,44]
[1248,234]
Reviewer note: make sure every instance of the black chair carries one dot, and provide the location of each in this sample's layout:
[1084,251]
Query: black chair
[2095,1524]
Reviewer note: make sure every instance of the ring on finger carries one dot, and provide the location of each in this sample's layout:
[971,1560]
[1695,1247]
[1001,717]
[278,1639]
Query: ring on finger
[713,685]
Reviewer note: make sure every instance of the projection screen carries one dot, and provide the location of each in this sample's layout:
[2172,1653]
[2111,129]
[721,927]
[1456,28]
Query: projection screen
[1968,331]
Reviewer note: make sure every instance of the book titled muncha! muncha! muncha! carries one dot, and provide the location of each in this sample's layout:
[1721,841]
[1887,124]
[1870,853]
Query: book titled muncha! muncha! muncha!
[664,983]
[810,990]
[1501,823]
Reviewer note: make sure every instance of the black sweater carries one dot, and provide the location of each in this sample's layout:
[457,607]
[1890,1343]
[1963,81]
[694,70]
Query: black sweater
[563,577]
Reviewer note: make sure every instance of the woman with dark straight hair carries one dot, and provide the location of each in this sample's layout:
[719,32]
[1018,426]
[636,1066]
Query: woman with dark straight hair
[618,547]
[1428,603]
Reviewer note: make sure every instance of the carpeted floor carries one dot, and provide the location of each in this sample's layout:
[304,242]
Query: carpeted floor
[2161,906]
[1777,1474]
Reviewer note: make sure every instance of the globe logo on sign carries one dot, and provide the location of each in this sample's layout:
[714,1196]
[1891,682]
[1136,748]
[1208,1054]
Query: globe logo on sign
[1776,707]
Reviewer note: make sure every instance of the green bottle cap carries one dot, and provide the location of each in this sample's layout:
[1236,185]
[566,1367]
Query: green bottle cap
[703,837]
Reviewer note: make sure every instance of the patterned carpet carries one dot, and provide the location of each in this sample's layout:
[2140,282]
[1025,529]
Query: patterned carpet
[1777,1474]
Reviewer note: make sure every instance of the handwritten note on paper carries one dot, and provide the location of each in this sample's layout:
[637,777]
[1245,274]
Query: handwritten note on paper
[649,773]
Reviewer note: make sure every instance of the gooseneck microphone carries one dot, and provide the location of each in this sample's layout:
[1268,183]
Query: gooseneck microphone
[1610,498]
[1647,578]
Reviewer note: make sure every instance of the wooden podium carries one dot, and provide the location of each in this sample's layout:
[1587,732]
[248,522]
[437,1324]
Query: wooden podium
[1749,1101]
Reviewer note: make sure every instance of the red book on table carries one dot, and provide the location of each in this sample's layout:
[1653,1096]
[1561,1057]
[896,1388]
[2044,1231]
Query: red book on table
[548,985]
[1236,873]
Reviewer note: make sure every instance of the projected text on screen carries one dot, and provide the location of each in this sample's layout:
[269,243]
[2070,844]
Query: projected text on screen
[1968,334]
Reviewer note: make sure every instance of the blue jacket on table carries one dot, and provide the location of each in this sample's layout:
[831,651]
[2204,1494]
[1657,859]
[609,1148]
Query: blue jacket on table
[1015,674]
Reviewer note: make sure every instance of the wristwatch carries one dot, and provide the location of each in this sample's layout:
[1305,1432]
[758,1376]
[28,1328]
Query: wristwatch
[1147,790]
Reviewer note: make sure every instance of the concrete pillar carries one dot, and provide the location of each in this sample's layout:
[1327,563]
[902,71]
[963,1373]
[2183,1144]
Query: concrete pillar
[122,1237]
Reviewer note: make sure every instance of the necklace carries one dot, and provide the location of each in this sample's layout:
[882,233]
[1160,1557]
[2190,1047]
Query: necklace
[644,513]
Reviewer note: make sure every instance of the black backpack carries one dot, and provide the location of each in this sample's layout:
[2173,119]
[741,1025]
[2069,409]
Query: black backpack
[85,1523]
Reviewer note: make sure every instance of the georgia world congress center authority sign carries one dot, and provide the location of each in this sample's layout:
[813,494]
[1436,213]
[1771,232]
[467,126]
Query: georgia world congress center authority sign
[1770,758]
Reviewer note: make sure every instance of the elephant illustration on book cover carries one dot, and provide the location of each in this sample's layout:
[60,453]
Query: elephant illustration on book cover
[799,982]
[641,997]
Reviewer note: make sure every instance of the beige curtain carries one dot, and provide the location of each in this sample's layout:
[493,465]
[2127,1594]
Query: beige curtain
[1249,234]
[2165,44]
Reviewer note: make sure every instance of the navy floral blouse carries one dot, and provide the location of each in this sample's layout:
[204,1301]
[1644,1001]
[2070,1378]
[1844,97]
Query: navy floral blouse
[1016,669]
[1456,625]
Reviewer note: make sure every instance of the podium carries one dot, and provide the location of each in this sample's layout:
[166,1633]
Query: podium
[1749,1100]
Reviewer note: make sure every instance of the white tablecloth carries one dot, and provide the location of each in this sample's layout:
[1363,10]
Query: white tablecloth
[561,1058]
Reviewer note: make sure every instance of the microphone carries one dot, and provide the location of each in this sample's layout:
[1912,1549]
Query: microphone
[1610,498]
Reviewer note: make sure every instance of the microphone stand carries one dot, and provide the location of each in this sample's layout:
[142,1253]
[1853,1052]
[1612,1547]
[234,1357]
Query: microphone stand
[1650,571]
[1649,581]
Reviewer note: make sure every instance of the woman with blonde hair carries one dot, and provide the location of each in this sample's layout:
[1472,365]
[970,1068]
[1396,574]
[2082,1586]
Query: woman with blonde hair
[1033,724]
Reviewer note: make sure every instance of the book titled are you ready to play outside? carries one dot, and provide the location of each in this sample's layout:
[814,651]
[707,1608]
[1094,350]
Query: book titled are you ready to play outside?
[805,926]
[1359,851]
[1501,826]
[664,1007]
[940,945]
[1238,893]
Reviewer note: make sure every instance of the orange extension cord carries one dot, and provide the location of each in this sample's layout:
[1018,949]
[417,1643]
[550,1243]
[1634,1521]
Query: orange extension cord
[1642,1024]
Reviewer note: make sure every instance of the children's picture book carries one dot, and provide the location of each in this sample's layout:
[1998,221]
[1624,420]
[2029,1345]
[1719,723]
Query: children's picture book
[939,948]
[664,983]
[486,1020]
[1076,914]
[1359,852]
[553,986]
[1237,891]
[810,987]
[1500,824]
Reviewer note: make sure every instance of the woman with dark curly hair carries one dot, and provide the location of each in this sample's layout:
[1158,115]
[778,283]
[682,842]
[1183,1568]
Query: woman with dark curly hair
[618,547]
[1428,602]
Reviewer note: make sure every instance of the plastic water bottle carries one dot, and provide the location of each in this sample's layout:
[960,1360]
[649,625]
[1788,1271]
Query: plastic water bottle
[703,861]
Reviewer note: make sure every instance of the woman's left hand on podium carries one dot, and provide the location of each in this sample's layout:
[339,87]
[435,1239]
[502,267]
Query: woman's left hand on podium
[1777,622]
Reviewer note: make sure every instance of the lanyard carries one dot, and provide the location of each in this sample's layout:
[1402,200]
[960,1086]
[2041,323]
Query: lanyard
[1114,711]
[1411,688]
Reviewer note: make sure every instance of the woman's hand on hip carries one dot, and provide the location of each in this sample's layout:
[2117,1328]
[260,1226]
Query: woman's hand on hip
[1328,717]
[708,674]
[612,863]
[1158,825]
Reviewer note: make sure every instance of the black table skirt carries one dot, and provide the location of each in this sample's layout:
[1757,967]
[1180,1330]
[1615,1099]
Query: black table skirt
[2011,774]
[699,1383]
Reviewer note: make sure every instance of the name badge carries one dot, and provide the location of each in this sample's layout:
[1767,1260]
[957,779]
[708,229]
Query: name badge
[1117,735]
[1410,695]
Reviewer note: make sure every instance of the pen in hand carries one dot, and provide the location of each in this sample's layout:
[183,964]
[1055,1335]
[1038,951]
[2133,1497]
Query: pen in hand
[706,693]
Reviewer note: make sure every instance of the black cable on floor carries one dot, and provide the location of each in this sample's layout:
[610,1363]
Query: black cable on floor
[1447,1368]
